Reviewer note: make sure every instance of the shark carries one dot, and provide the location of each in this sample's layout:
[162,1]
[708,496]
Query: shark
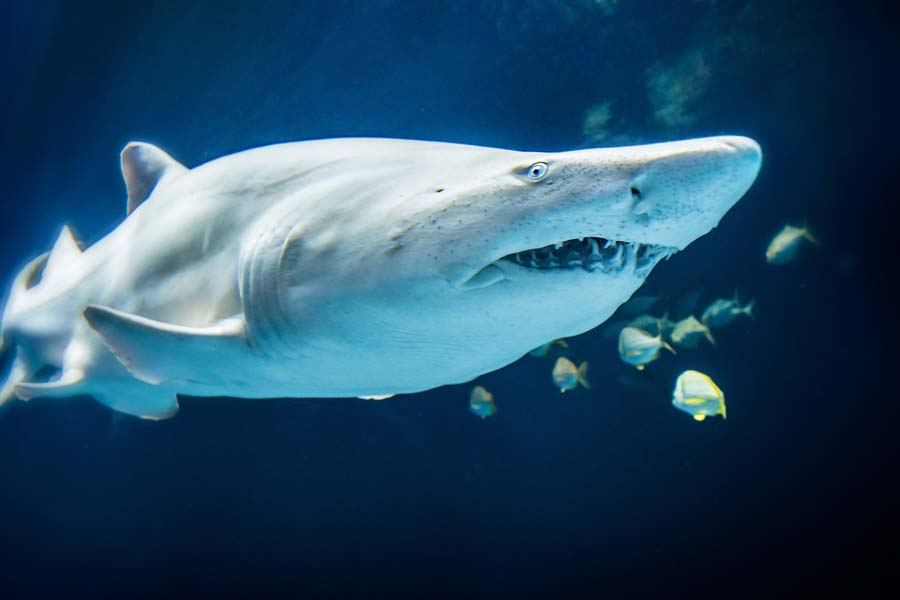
[353,267]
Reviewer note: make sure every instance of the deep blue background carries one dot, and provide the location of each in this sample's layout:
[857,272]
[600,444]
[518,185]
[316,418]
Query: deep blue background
[607,490]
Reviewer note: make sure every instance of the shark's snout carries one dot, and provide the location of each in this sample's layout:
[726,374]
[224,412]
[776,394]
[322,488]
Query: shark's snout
[744,145]
[685,188]
[744,159]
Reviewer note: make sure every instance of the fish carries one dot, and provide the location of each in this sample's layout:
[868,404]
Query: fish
[689,331]
[377,397]
[723,311]
[785,245]
[653,325]
[314,268]
[481,402]
[639,348]
[567,376]
[698,395]
[542,351]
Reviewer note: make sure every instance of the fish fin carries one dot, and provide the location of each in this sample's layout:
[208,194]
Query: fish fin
[562,343]
[64,250]
[748,310]
[144,166]
[582,375]
[639,367]
[663,319]
[17,374]
[810,237]
[699,417]
[722,409]
[709,336]
[69,384]
[154,351]
[140,400]
[666,345]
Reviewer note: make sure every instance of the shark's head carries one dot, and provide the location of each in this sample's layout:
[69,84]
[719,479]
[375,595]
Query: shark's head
[609,213]
[442,248]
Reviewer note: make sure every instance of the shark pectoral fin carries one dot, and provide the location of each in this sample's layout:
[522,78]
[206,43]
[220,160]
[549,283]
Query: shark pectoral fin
[140,400]
[17,374]
[144,166]
[155,352]
[69,384]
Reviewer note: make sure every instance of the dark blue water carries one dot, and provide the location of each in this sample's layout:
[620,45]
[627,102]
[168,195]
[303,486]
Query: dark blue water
[607,491]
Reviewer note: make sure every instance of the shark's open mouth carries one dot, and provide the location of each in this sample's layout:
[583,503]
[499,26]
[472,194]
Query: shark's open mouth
[593,253]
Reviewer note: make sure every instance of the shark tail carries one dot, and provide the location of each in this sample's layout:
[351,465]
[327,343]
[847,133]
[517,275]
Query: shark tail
[43,270]
[21,368]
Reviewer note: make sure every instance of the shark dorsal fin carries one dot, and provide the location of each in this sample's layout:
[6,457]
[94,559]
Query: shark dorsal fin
[144,166]
[63,251]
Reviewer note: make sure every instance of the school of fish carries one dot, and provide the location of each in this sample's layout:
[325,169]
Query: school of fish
[642,336]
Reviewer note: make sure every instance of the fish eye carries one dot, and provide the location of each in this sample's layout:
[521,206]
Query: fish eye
[538,171]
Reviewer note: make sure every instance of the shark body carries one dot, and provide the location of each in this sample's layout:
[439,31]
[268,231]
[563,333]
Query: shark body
[353,267]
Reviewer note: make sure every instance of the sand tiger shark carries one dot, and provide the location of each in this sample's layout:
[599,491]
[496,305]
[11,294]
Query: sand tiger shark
[353,267]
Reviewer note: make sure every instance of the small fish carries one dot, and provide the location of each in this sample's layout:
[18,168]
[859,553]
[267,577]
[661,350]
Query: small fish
[638,304]
[688,333]
[381,397]
[784,246]
[544,350]
[638,347]
[723,311]
[653,325]
[481,402]
[698,395]
[567,376]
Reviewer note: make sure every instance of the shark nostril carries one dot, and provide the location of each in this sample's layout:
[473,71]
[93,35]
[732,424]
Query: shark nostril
[635,193]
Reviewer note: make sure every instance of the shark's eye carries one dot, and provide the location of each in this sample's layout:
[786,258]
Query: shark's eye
[538,171]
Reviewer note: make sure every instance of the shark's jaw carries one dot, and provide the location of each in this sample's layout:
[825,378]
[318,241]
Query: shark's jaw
[592,254]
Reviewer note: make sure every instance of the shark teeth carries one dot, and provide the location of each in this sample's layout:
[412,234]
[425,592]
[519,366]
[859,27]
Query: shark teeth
[593,253]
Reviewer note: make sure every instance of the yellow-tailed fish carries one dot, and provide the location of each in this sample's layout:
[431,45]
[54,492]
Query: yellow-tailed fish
[724,310]
[653,325]
[638,347]
[698,395]
[481,402]
[689,331]
[784,246]
[567,376]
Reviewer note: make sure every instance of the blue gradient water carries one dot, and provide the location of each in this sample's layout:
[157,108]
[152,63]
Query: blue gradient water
[610,490]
